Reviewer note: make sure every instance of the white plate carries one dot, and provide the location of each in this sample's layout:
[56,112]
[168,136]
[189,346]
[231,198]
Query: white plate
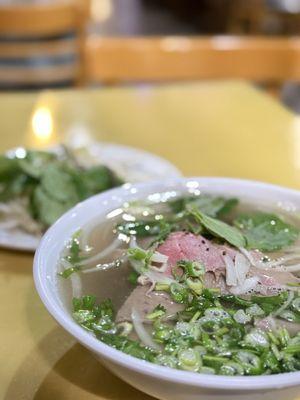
[133,165]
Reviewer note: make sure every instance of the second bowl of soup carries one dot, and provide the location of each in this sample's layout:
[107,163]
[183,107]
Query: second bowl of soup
[193,283]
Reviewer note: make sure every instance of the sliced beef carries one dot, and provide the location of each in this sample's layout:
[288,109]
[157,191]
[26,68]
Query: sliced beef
[271,281]
[144,304]
[212,281]
[187,246]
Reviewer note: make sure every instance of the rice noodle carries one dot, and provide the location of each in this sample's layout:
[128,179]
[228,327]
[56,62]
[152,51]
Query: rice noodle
[76,284]
[283,259]
[143,335]
[86,233]
[104,267]
[269,265]
[104,253]
[288,268]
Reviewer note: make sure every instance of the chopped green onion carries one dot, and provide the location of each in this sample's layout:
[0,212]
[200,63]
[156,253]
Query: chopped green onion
[166,360]
[296,305]
[124,328]
[292,349]
[178,293]
[207,370]
[193,269]
[189,360]
[249,361]
[214,361]
[231,368]
[158,312]
[256,338]
[195,285]
[162,287]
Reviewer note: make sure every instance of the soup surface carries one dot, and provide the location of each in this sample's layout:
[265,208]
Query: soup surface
[200,283]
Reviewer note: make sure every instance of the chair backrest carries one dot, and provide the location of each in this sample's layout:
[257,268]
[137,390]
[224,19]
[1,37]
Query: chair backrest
[42,44]
[188,58]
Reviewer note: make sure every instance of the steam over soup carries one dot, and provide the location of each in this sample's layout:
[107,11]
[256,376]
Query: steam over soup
[199,283]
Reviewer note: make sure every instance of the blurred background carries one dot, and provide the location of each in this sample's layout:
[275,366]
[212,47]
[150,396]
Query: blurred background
[80,43]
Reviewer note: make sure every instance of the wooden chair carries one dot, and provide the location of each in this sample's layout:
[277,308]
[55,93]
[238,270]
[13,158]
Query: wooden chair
[190,58]
[42,44]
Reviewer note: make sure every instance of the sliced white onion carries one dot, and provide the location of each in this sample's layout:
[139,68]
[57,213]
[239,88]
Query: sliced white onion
[133,242]
[160,269]
[159,278]
[231,276]
[248,285]
[242,266]
[248,255]
[143,335]
[76,284]
[159,257]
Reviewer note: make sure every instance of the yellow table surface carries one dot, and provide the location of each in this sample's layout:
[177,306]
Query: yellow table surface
[224,129]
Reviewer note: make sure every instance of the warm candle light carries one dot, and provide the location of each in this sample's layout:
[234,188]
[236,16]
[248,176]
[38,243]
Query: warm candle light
[42,124]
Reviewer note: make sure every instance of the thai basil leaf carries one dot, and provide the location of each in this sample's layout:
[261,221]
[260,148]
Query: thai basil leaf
[219,228]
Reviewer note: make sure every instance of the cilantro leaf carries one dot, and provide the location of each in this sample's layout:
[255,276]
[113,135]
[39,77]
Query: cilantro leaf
[128,346]
[266,232]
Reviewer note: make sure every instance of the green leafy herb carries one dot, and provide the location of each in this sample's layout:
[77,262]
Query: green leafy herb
[219,228]
[133,277]
[139,259]
[209,205]
[266,232]
[128,346]
[51,184]
[212,341]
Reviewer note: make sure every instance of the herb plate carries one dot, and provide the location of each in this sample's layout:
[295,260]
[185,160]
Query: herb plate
[131,164]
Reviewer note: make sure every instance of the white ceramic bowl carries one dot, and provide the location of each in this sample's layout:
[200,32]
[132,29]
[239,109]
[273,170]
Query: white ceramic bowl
[161,382]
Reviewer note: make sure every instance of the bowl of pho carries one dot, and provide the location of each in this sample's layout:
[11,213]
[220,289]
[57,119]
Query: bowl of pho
[182,288]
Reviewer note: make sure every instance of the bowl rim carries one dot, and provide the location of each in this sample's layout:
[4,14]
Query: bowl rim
[219,382]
